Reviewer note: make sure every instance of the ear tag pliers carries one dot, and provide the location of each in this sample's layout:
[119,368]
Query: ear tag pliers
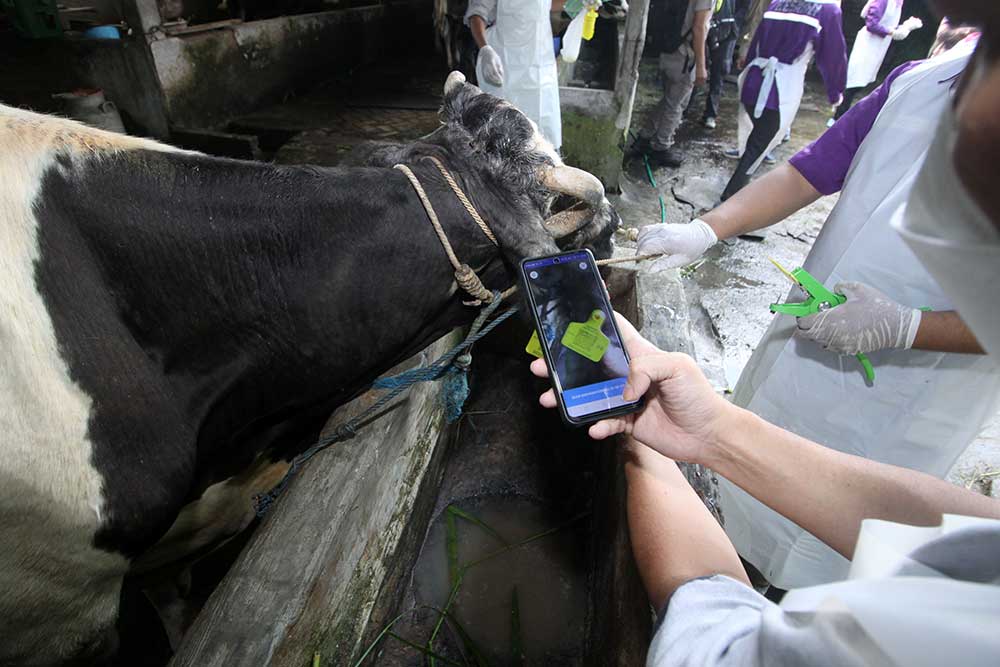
[818,299]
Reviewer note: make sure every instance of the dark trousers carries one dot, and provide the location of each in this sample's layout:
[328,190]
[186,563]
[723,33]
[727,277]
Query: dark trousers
[849,96]
[720,61]
[764,130]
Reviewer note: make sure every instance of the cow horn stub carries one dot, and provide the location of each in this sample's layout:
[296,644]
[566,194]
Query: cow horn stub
[454,80]
[566,222]
[573,182]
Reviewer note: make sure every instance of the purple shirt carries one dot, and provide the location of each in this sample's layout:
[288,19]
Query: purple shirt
[824,162]
[787,28]
[873,17]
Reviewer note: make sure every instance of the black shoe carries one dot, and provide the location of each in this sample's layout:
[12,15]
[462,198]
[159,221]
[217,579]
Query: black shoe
[665,158]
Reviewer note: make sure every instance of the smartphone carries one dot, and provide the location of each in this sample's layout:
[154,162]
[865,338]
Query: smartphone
[581,343]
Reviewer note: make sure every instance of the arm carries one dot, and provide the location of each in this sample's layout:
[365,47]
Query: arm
[674,537]
[477,24]
[873,18]
[824,491]
[754,16]
[699,35]
[764,202]
[945,332]
[828,492]
[831,54]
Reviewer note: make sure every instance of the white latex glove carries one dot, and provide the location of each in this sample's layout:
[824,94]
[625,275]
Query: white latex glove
[867,322]
[682,243]
[492,68]
[906,27]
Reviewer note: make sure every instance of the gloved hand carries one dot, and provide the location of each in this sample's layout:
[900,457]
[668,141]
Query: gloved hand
[906,27]
[682,243]
[867,322]
[492,68]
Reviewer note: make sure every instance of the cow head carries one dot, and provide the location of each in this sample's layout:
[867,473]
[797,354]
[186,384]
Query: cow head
[514,175]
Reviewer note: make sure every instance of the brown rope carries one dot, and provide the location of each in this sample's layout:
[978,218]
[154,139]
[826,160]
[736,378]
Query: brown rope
[465,200]
[464,275]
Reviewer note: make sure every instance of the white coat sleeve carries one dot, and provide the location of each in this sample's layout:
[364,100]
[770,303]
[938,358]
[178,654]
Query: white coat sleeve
[487,9]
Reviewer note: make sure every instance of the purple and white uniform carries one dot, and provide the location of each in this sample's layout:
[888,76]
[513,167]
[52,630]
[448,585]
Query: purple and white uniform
[789,30]
[872,42]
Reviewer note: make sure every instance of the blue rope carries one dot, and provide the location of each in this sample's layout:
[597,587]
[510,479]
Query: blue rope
[453,365]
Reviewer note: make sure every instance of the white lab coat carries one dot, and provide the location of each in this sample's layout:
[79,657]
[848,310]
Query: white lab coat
[522,37]
[924,407]
[869,49]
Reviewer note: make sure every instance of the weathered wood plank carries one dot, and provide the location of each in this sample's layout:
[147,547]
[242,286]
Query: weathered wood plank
[309,577]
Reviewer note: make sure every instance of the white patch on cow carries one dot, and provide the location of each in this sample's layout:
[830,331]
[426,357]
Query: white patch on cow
[58,591]
[539,143]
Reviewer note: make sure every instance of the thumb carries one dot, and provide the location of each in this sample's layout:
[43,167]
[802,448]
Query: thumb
[646,370]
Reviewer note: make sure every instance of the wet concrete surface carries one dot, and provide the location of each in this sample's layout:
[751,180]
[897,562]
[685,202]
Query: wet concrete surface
[727,295]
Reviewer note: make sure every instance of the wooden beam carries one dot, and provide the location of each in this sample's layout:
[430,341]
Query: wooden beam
[311,574]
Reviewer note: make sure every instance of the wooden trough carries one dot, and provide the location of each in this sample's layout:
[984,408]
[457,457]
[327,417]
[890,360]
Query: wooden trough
[328,568]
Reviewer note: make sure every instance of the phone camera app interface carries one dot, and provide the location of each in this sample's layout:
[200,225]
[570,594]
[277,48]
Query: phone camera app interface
[585,352]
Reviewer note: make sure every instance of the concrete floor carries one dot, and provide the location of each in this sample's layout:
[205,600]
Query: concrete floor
[728,295]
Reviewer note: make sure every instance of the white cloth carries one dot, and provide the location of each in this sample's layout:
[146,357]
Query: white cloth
[918,597]
[869,49]
[925,407]
[955,239]
[522,36]
[790,80]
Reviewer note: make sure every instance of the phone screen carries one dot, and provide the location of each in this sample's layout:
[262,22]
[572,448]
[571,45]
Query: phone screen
[575,324]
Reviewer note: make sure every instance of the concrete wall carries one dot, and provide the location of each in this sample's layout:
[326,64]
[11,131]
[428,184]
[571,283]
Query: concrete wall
[208,77]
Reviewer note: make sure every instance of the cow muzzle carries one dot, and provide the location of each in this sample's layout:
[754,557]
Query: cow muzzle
[578,184]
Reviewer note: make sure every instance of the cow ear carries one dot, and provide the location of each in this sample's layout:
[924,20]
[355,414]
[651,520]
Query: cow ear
[457,94]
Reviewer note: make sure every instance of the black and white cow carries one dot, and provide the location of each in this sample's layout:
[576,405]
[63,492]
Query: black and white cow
[174,326]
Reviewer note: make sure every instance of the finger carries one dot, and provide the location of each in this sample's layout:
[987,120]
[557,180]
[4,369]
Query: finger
[608,427]
[669,262]
[548,399]
[806,323]
[540,368]
[635,343]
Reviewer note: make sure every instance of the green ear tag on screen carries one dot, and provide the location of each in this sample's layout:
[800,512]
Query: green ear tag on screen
[586,339]
[534,348]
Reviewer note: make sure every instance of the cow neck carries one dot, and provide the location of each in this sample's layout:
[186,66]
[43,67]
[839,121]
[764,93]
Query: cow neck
[465,276]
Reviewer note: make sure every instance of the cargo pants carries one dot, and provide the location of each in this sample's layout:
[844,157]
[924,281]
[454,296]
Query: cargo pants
[677,70]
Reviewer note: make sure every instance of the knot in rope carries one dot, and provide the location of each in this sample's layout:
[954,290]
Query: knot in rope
[470,282]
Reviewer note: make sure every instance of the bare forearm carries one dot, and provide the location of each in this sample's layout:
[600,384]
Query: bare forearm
[699,35]
[945,332]
[764,202]
[674,538]
[478,27]
[828,492]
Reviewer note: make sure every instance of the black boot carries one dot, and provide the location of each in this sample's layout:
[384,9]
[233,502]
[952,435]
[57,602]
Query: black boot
[665,158]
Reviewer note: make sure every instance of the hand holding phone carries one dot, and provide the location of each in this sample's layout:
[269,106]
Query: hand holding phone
[578,336]
[682,415]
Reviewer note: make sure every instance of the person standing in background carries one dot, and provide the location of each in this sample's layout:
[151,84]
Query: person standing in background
[516,59]
[723,32]
[871,44]
[683,66]
[771,85]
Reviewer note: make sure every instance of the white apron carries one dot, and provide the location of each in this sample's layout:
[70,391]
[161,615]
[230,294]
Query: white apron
[522,37]
[869,49]
[925,407]
[790,80]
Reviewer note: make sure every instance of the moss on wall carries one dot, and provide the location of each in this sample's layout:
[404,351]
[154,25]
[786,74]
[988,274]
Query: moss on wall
[593,144]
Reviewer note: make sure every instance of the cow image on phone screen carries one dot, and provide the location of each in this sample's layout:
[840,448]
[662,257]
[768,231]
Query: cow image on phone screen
[576,326]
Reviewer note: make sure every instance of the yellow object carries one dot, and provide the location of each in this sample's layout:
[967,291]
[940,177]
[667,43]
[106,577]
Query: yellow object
[589,22]
[586,338]
[785,271]
[534,348]
[315,659]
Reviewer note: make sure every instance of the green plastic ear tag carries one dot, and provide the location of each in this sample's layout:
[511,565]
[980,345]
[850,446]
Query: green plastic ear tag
[586,339]
[534,348]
